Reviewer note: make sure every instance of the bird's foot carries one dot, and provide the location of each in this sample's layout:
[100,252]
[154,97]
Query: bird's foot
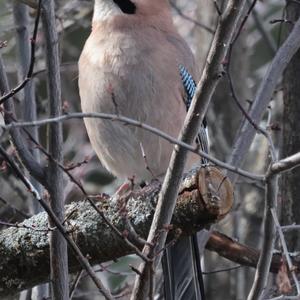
[124,189]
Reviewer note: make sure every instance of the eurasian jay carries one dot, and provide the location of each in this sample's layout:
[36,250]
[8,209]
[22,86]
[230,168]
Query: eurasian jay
[135,63]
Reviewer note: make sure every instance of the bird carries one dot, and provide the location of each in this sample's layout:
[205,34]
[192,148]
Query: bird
[135,64]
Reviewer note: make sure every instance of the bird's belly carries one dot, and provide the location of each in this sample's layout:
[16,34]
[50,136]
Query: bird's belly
[119,148]
[130,90]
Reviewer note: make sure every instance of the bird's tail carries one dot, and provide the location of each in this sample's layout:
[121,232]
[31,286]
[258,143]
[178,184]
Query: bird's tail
[182,270]
[181,262]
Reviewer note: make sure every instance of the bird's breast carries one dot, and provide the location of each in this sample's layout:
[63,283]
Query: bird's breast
[122,76]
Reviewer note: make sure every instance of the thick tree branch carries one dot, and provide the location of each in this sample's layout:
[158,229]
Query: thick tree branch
[25,252]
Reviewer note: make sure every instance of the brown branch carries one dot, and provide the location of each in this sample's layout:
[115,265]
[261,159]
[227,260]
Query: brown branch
[242,254]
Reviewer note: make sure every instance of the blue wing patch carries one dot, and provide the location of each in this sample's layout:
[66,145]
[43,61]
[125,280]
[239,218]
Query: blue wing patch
[190,89]
[189,85]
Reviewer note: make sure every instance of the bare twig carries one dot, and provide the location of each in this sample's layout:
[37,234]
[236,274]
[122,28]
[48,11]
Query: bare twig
[26,58]
[128,121]
[75,284]
[196,22]
[21,213]
[32,165]
[285,251]
[21,85]
[221,270]
[17,225]
[258,128]
[83,261]
[268,38]
[263,267]
[281,21]
[290,227]
[286,164]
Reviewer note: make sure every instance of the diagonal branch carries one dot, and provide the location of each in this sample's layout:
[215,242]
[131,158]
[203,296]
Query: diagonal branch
[247,132]
[205,89]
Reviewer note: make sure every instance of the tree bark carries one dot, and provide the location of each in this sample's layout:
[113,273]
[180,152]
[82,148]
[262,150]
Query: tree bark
[25,252]
[290,189]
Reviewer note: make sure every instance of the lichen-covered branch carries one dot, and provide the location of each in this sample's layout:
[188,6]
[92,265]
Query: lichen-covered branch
[25,252]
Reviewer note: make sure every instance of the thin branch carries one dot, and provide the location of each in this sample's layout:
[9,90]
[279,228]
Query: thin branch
[18,225]
[263,97]
[283,297]
[128,121]
[205,89]
[28,105]
[263,267]
[286,164]
[82,260]
[285,251]
[268,38]
[32,165]
[28,77]
[13,208]
[196,22]
[221,270]
[75,284]
[290,227]
[26,58]
[90,200]
[258,128]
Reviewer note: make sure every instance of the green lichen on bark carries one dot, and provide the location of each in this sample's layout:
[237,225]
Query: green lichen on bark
[25,252]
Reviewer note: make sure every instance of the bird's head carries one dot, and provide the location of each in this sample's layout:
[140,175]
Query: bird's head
[108,9]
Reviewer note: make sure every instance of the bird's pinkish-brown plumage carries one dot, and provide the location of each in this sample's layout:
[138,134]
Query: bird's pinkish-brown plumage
[130,66]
